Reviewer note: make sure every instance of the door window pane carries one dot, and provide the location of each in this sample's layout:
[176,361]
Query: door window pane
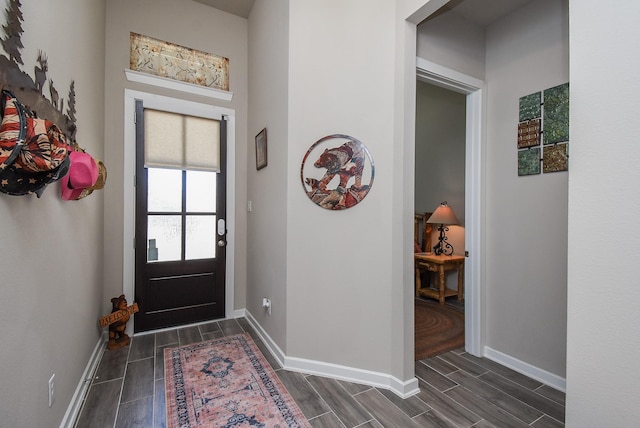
[166,230]
[201,191]
[201,237]
[165,190]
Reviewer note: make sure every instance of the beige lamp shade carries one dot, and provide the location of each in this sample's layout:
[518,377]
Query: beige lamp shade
[443,215]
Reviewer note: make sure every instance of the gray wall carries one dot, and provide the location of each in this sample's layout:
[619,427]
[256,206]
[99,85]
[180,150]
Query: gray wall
[526,217]
[332,267]
[52,258]
[267,222]
[603,346]
[338,263]
[452,41]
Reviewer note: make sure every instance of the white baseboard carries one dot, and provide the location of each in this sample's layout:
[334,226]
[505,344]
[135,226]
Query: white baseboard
[527,369]
[350,374]
[355,375]
[269,343]
[73,411]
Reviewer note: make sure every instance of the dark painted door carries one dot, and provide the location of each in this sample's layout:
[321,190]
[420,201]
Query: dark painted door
[180,244]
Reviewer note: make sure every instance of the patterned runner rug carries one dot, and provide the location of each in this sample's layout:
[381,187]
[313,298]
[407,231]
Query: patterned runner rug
[226,382]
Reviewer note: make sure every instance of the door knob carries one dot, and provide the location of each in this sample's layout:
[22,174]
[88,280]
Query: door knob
[221,243]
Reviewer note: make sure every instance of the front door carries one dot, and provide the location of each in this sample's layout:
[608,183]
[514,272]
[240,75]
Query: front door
[180,224]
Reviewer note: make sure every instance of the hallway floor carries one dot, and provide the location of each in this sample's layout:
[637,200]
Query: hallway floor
[456,390]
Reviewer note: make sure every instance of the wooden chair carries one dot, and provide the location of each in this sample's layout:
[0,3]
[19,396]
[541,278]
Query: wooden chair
[422,232]
[422,243]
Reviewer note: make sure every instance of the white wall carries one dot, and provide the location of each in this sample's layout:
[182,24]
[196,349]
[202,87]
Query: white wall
[603,338]
[526,217]
[51,265]
[196,26]
[267,188]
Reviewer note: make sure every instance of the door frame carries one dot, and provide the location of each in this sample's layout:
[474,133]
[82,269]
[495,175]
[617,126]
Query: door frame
[129,167]
[473,88]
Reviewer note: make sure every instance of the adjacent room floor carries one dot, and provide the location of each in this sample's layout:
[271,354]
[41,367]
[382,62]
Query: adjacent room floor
[456,390]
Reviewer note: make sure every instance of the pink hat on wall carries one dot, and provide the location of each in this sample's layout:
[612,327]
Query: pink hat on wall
[83,173]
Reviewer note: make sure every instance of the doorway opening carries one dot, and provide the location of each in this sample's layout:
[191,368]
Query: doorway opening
[472,89]
[439,183]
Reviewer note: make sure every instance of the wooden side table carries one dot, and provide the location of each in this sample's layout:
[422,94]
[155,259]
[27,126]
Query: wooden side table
[439,264]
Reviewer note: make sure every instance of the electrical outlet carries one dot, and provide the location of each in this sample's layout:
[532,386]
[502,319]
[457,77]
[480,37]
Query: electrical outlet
[266,304]
[52,389]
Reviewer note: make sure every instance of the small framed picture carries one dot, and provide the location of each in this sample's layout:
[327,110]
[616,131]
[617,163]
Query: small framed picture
[261,149]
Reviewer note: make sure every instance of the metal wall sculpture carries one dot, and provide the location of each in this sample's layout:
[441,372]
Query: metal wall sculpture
[36,110]
[339,174]
[31,91]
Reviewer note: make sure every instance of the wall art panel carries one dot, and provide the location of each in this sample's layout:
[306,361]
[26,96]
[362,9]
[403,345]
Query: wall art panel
[555,158]
[529,133]
[529,161]
[530,106]
[556,114]
[176,62]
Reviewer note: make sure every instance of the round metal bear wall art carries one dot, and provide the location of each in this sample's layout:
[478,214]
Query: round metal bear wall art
[339,174]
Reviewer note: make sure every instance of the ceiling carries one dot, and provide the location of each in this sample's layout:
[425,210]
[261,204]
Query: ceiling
[480,12]
[236,7]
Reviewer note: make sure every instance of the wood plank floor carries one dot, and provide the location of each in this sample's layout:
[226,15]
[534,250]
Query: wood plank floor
[456,390]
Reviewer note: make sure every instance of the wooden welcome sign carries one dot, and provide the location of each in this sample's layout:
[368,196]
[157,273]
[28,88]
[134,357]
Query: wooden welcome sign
[117,322]
[118,315]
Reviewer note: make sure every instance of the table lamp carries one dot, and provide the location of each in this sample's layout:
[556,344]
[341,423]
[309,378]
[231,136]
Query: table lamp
[443,215]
